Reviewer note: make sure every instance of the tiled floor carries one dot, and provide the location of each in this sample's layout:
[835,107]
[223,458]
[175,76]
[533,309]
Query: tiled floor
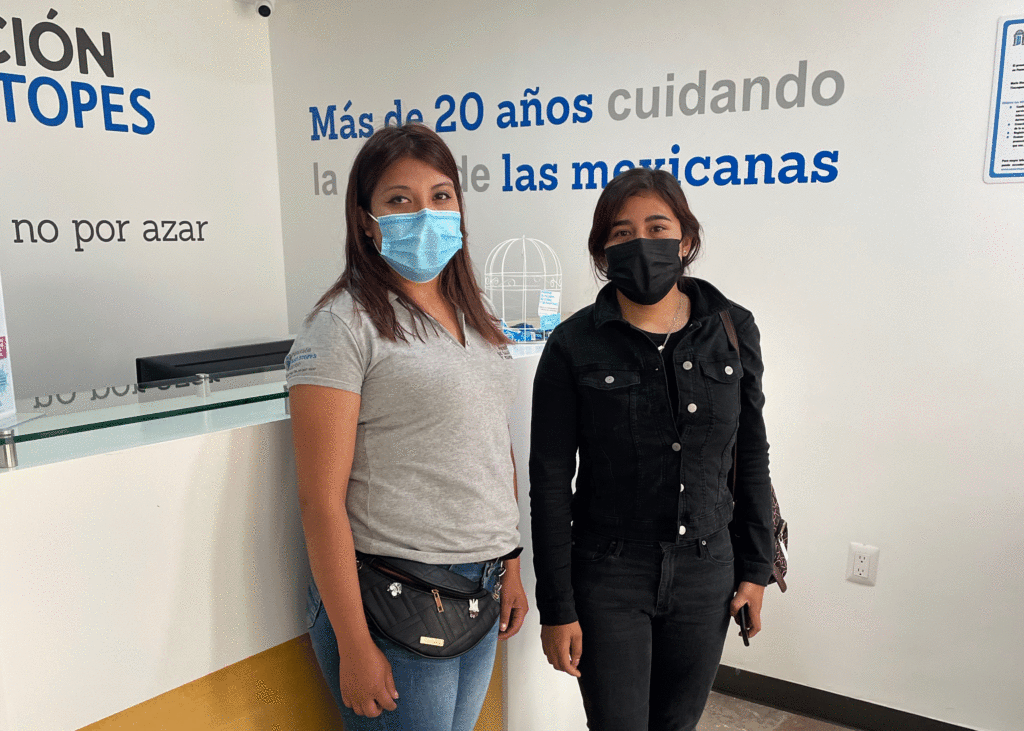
[725,713]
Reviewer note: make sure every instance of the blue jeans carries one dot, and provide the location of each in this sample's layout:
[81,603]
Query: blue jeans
[434,694]
[654,618]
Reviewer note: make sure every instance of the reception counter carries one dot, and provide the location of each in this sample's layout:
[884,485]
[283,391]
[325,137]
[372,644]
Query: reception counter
[155,569]
[134,571]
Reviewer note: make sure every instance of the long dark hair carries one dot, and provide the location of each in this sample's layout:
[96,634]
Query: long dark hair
[367,277]
[624,186]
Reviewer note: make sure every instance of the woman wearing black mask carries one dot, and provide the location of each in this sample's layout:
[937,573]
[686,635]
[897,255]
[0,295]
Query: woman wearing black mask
[638,573]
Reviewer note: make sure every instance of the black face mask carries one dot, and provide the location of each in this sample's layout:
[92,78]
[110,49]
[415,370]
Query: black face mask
[644,270]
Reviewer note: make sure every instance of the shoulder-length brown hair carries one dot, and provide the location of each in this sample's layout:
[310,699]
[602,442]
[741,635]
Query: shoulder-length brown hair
[624,186]
[367,277]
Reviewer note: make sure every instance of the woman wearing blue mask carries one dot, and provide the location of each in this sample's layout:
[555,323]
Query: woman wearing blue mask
[639,570]
[400,390]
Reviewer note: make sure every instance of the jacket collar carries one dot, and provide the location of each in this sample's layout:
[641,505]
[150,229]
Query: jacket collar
[705,301]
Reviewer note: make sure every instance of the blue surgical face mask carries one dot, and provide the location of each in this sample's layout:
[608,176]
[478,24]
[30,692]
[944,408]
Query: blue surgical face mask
[419,245]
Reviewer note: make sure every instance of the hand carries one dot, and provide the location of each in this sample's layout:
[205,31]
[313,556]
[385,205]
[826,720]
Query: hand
[563,645]
[367,686]
[514,604]
[752,595]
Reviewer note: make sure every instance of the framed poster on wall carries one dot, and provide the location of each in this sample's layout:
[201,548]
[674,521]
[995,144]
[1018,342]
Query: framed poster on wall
[1005,160]
[7,415]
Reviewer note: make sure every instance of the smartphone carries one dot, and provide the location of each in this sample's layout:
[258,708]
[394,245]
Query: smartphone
[744,617]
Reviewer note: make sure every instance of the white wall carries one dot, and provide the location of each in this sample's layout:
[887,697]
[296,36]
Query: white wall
[889,299]
[536,698]
[80,318]
[131,573]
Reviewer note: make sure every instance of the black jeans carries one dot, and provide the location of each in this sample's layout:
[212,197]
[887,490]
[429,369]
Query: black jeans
[654,618]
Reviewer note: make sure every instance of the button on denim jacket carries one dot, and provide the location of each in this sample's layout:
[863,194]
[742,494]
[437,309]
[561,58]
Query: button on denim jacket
[601,389]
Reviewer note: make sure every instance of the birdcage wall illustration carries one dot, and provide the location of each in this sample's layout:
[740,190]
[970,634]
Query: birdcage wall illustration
[515,274]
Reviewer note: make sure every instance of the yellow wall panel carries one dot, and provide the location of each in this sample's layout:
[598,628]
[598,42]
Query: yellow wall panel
[280,689]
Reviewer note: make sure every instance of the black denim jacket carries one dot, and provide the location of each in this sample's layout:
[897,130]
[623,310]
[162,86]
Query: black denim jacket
[601,389]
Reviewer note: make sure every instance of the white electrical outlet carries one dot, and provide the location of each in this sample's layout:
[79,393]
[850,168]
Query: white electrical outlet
[862,564]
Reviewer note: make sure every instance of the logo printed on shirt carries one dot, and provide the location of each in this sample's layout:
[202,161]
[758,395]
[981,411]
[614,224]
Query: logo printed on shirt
[3,347]
[299,355]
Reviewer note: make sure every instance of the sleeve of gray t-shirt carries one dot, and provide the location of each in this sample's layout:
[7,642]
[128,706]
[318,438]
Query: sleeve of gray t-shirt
[329,352]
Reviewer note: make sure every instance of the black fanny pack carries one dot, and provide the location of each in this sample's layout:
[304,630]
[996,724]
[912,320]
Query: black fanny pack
[426,609]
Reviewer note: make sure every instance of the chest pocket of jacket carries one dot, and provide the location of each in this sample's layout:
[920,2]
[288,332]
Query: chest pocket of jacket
[609,380]
[610,397]
[722,378]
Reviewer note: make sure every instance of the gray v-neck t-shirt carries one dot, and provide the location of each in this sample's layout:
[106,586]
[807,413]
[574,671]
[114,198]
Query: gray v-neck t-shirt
[431,477]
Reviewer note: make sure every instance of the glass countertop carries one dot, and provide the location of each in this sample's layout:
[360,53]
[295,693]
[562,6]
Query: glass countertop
[109,418]
[87,409]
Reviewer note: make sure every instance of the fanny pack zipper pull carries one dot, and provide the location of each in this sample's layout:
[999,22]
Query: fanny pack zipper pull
[437,600]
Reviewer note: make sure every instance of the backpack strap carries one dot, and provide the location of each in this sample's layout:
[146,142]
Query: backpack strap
[780,528]
[730,330]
